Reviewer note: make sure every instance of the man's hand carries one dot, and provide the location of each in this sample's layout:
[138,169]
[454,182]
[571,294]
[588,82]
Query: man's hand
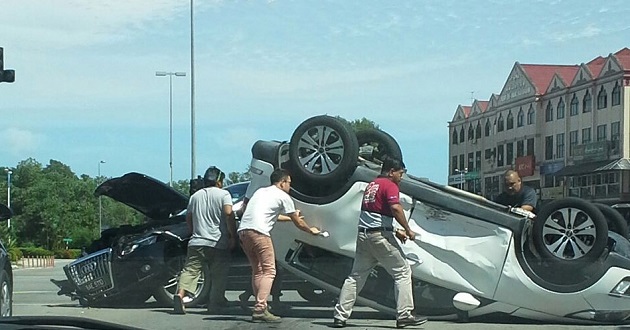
[401,235]
[410,234]
[315,231]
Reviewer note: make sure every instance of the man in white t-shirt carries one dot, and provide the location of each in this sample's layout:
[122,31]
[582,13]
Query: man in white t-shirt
[259,218]
[211,222]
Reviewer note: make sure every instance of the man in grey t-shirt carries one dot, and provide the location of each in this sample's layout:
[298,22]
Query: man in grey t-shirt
[211,221]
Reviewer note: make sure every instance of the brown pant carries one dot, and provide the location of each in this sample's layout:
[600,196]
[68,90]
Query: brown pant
[259,251]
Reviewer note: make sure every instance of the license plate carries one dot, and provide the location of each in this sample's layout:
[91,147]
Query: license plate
[96,284]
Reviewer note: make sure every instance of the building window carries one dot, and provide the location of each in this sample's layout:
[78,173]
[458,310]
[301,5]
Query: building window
[500,124]
[616,94]
[471,161]
[560,145]
[520,118]
[549,147]
[549,112]
[471,132]
[573,108]
[478,130]
[601,133]
[573,141]
[602,99]
[509,151]
[461,161]
[487,154]
[487,131]
[586,102]
[530,147]
[478,160]
[560,110]
[454,137]
[520,148]
[500,155]
[586,135]
[510,120]
[461,135]
[453,164]
[614,137]
[530,115]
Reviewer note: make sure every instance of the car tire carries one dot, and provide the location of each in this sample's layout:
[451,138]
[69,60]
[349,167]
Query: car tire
[615,220]
[377,144]
[316,295]
[570,232]
[323,151]
[164,293]
[6,295]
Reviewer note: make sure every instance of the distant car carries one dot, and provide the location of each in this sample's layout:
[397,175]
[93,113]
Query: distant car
[6,273]
[472,257]
[129,264]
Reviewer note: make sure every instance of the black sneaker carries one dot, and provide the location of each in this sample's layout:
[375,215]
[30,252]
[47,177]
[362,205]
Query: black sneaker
[337,323]
[178,305]
[412,320]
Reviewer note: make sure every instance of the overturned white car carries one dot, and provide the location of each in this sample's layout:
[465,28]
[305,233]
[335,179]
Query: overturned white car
[474,257]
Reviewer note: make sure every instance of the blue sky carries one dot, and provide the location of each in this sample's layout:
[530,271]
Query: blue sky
[86,88]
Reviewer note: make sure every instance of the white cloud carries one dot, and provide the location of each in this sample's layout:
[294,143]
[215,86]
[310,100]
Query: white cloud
[588,32]
[20,141]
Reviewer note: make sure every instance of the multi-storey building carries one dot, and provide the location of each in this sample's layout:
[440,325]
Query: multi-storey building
[564,128]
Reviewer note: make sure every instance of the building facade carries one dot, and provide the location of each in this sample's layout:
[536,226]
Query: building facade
[564,128]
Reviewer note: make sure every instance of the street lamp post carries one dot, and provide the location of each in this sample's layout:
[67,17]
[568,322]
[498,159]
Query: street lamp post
[170,114]
[192,92]
[462,173]
[100,203]
[9,172]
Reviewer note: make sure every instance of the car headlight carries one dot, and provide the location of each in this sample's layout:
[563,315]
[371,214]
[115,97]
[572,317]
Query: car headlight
[133,245]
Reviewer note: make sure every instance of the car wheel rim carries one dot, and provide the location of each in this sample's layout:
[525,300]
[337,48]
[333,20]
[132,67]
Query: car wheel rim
[321,150]
[569,233]
[6,300]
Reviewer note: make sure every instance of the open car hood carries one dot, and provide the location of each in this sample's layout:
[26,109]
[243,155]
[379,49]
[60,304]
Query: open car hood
[149,196]
[5,212]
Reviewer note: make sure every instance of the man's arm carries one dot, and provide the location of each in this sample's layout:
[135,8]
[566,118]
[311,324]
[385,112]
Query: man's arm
[399,215]
[529,200]
[299,222]
[189,222]
[231,225]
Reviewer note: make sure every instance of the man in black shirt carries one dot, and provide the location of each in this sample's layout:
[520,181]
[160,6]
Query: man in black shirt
[515,194]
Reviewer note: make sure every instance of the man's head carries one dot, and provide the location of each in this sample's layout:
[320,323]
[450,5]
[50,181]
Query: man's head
[213,177]
[393,169]
[512,182]
[281,179]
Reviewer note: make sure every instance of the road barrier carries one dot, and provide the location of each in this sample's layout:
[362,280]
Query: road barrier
[36,262]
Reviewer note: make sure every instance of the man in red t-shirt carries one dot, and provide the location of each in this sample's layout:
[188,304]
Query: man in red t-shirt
[376,244]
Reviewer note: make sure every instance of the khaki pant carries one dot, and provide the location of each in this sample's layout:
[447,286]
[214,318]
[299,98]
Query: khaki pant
[219,263]
[377,248]
[261,256]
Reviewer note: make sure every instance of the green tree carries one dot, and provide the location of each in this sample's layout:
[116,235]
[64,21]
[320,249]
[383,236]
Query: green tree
[360,124]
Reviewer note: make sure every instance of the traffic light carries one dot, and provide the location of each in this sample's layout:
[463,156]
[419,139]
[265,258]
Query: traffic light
[5,75]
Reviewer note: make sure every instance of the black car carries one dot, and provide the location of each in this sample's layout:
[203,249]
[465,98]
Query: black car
[6,274]
[129,264]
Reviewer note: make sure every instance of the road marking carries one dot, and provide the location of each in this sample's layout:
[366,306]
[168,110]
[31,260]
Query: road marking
[28,292]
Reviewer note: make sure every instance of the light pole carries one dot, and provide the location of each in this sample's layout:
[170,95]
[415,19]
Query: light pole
[461,176]
[9,172]
[192,92]
[100,204]
[170,114]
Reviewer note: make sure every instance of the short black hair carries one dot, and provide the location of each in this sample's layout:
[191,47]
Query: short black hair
[212,176]
[278,175]
[390,163]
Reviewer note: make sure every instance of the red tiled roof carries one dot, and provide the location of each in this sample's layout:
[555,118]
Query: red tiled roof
[623,56]
[483,105]
[596,65]
[466,110]
[541,74]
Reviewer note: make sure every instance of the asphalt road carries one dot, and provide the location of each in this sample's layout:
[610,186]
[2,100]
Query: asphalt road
[35,295]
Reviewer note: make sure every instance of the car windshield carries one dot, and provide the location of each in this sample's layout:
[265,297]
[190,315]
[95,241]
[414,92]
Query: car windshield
[106,91]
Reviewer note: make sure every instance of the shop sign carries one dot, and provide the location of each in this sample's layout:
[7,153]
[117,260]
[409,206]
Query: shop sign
[552,193]
[525,165]
[550,168]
